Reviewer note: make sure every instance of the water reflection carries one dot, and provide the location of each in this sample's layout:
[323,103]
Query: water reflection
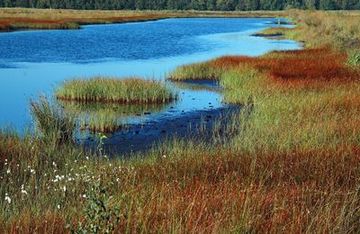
[107,118]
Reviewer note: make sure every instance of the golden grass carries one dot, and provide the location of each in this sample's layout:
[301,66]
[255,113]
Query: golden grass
[339,29]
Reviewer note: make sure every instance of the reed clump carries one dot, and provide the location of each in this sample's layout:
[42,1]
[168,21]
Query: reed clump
[111,90]
[197,71]
[51,122]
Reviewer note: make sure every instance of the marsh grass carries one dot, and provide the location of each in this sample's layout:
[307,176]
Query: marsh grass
[111,90]
[51,122]
[354,58]
[339,30]
[310,190]
[292,168]
[197,71]
[285,88]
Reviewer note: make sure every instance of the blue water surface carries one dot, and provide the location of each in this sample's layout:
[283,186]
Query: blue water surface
[33,63]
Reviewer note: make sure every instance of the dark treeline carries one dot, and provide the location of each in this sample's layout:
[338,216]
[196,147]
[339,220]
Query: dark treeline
[222,5]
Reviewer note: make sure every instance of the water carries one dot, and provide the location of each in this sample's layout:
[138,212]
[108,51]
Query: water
[33,63]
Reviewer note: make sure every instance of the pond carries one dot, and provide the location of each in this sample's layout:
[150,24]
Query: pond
[33,63]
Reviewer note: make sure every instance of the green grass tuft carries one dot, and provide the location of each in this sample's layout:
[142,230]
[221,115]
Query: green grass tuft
[111,90]
[51,122]
[197,71]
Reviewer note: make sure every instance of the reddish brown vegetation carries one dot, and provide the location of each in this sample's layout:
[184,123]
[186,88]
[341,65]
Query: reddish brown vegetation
[12,23]
[264,194]
[50,222]
[7,24]
[302,66]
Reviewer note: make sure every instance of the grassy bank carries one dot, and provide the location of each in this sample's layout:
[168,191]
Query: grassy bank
[293,168]
[339,30]
[24,18]
[111,90]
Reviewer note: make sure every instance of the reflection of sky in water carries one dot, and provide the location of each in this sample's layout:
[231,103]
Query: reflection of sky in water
[30,79]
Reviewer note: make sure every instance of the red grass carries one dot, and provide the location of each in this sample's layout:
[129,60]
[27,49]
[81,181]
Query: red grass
[281,190]
[301,66]
[9,23]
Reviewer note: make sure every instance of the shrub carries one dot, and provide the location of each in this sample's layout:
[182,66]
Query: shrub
[99,215]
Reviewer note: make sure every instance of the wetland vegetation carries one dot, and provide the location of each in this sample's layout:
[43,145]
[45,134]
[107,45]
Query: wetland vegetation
[111,90]
[293,166]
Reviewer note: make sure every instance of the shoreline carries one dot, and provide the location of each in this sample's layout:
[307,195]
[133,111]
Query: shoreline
[64,19]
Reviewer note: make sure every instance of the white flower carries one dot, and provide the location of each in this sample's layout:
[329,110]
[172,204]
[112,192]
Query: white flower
[58,206]
[84,195]
[7,198]
[164,156]
[64,188]
[32,171]
[8,171]
[23,191]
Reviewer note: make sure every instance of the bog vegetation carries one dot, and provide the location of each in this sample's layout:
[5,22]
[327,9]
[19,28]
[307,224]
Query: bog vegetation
[293,167]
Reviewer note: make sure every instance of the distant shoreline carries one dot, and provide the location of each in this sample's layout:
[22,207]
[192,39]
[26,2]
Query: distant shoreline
[15,19]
